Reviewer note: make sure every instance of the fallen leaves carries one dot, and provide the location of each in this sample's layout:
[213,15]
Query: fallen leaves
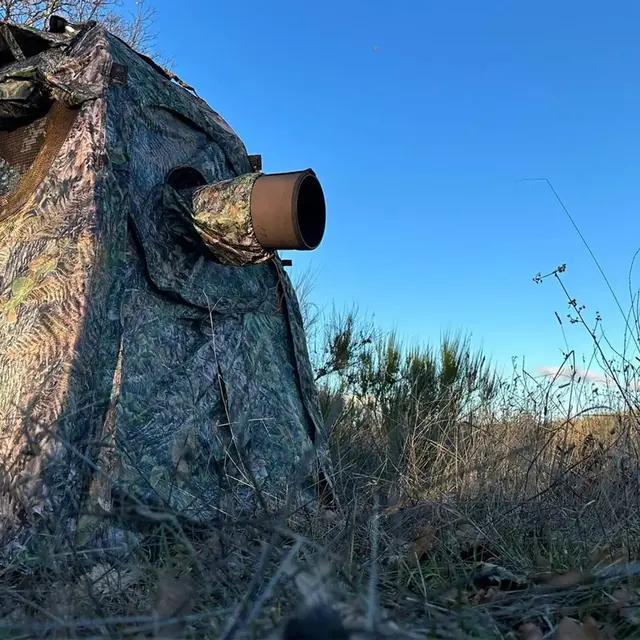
[530,631]
[422,545]
[567,629]
[107,580]
[417,534]
[175,598]
[591,631]
[626,604]
[621,606]
[571,578]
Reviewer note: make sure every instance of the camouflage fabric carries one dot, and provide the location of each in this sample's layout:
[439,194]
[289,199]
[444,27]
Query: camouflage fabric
[9,177]
[222,214]
[148,346]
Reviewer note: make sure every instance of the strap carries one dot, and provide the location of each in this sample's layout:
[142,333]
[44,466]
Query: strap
[59,122]
[7,38]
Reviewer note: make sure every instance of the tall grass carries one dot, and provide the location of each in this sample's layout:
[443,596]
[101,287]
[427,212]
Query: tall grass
[438,423]
[440,463]
[406,407]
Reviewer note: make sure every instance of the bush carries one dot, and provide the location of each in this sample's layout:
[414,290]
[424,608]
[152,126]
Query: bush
[406,407]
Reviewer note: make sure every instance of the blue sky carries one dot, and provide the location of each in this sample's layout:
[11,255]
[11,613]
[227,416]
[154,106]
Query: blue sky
[421,119]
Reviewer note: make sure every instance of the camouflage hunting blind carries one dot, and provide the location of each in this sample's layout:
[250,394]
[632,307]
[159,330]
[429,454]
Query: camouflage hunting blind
[151,344]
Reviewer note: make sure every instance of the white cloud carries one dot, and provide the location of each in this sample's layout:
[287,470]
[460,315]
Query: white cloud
[567,373]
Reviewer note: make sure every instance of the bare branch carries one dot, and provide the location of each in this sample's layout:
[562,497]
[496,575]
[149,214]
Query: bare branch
[134,28]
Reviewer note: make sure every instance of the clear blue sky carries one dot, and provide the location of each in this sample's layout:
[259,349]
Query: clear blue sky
[421,119]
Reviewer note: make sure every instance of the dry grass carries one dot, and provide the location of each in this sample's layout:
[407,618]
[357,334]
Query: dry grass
[470,506]
[508,522]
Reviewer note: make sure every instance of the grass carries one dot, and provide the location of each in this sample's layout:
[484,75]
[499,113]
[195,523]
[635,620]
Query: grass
[470,504]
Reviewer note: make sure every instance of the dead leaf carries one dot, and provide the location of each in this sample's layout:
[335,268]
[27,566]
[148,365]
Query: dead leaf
[570,578]
[569,629]
[422,545]
[620,597]
[107,580]
[590,629]
[529,631]
[175,598]
[625,604]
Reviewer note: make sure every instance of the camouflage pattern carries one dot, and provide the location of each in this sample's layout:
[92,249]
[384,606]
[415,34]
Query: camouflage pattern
[222,214]
[9,177]
[148,346]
